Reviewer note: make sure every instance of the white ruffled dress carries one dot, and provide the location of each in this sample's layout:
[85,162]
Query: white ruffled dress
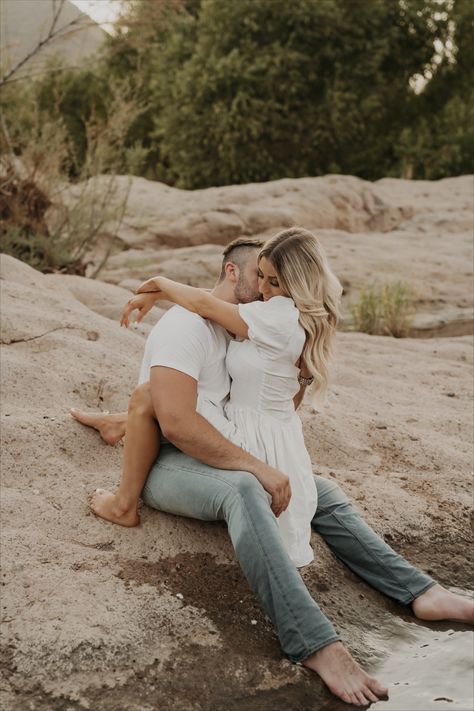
[264,382]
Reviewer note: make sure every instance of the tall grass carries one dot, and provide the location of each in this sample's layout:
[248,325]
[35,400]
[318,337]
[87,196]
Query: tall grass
[384,309]
[42,221]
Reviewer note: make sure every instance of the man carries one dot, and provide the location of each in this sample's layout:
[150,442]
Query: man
[201,474]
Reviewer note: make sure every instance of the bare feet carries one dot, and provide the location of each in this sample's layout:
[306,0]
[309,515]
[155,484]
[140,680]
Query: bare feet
[344,677]
[437,603]
[107,505]
[110,427]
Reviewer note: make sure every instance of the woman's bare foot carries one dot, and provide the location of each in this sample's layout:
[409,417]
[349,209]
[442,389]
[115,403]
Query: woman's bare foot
[108,506]
[110,427]
[437,603]
[344,677]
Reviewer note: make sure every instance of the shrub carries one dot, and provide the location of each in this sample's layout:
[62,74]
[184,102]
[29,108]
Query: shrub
[43,221]
[386,310]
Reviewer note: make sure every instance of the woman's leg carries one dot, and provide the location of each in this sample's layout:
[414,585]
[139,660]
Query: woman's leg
[141,448]
[111,427]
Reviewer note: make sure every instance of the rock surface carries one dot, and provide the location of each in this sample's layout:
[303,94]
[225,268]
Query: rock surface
[157,214]
[160,617]
[418,232]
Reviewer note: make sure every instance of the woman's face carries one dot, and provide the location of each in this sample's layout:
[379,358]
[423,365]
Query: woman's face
[268,284]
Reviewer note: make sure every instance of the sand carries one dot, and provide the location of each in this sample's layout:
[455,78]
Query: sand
[91,613]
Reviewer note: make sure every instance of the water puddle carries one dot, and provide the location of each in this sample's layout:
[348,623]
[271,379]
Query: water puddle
[425,668]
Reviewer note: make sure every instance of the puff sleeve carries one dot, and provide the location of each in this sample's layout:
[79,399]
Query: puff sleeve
[272,324]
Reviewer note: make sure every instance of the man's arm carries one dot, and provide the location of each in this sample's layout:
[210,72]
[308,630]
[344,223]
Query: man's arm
[174,396]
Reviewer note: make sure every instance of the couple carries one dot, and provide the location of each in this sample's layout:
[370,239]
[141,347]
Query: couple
[214,467]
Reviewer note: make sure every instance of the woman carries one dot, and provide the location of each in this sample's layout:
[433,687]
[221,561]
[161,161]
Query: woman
[290,331]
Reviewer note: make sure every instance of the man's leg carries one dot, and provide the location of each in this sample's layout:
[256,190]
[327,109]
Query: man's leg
[361,549]
[365,553]
[180,485]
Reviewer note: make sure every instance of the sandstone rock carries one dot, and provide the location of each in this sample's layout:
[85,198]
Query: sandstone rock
[90,611]
[115,604]
[198,266]
[158,215]
[102,298]
[391,230]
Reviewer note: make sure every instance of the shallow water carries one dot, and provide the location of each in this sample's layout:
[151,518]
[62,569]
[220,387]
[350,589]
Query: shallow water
[426,667]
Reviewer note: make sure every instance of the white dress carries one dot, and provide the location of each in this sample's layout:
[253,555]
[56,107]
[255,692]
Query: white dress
[264,382]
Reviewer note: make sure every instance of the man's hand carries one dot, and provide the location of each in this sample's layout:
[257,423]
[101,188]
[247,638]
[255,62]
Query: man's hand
[174,396]
[142,303]
[277,485]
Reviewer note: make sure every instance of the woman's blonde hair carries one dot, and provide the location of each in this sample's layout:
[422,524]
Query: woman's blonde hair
[304,274]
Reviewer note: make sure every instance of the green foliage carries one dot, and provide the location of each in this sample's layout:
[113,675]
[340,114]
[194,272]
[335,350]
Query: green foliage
[41,221]
[367,312]
[439,141]
[79,97]
[385,310]
[209,92]
[251,91]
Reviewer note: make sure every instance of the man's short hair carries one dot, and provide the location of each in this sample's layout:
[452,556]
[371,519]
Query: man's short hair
[238,252]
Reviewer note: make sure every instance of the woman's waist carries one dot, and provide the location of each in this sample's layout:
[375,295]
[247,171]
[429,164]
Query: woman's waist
[264,411]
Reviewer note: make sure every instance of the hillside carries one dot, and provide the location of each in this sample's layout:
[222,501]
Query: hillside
[24,23]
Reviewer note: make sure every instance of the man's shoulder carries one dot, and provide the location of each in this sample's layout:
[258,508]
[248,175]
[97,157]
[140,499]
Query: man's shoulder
[179,321]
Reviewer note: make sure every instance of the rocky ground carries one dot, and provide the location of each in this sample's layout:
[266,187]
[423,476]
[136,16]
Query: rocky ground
[91,613]
[418,232]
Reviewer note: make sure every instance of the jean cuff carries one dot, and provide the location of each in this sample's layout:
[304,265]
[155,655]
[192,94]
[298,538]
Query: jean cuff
[415,595]
[319,645]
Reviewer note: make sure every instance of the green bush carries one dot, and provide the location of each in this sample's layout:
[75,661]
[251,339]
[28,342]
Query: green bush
[41,221]
[386,310]
[236,91]
[252,91]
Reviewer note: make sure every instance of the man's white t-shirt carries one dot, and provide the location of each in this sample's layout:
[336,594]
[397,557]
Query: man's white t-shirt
[185,341]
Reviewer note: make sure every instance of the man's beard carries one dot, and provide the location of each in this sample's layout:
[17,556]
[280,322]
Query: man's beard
[244,293]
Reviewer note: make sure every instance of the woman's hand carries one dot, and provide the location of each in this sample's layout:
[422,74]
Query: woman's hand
[149,286]
[141,303]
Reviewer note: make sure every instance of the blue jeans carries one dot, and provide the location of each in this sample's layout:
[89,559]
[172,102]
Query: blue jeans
[181,485]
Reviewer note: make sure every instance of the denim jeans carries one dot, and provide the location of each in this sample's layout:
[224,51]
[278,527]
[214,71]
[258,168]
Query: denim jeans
[181,485]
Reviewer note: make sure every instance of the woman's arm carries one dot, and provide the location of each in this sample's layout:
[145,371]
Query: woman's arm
[305,374]
[198,301]
[298,398]
[142,303]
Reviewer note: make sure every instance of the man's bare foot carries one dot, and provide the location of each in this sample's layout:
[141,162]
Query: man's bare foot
[110,427]
[437,603]
[344,677]
[107,505]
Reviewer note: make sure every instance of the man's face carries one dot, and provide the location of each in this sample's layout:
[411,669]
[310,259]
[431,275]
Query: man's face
[246,289]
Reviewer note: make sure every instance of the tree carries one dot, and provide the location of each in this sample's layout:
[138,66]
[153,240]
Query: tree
[248,91]
[440,138]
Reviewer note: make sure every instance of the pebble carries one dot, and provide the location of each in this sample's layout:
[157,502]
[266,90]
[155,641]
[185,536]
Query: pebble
[180,596]
[253,622]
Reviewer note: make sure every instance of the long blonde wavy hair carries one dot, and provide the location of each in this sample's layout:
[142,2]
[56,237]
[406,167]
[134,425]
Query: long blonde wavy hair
[305,275]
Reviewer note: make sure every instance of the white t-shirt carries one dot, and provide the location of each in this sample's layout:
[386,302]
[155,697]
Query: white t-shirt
[185,341]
